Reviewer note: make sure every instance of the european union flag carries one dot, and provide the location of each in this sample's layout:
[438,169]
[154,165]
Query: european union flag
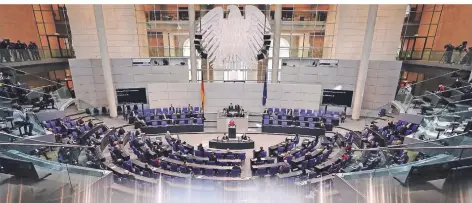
[264,92]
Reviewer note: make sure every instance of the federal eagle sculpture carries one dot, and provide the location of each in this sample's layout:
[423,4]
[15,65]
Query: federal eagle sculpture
[234,39]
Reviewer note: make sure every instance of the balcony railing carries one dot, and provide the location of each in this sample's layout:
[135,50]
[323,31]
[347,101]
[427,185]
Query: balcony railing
[452,57]
[20,55]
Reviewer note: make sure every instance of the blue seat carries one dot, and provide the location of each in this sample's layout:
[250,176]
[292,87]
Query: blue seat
[235,173]
[231,156]
[196,109]
[273,170]
[184,169]
[174,167]
[221,172]
[198,153]
[154,123]
[276,110]
[182,122]
[208,172]
[310,119]
[266,122]
[284,110]
[270,110]
[242,156]
[301,118]
[261,171]
[263,154]
[185,110]
[280,149]
[219,155]
[197,171]
[164,123]
[311,125]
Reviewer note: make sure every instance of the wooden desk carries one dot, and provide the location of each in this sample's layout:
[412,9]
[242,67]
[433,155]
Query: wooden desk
[267,165]
[325,164]
[197,165]
[160,170]
[288,175]
[316,180]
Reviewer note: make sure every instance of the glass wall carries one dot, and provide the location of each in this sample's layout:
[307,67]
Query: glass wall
[54,31]
[307,32]
[419,32]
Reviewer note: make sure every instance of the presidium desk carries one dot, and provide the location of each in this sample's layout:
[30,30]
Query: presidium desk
[241,123]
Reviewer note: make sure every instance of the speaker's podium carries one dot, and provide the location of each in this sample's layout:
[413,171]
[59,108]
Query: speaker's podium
[241,124]
[232,132]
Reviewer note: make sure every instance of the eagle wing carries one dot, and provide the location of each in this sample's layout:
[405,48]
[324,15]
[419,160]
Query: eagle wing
[256,25]
[211,27]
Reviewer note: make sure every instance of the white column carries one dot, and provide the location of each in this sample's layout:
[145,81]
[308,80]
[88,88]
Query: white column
[276,48]
[107,75]
[165,43]
[193,51]
[364,65]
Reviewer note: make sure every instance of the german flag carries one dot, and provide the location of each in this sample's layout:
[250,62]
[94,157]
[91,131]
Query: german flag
[202,93]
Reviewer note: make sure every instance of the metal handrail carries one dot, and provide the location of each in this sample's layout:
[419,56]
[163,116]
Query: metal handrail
[409,148]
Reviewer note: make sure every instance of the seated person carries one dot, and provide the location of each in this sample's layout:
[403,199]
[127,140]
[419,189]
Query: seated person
[200,147]
[402,159]
[419,156]
[289,112]
[171,109]
[244,137]
[285,168]
[80,122]
[212,157]
[225,137]
[258,154]
[90,124]
[241,113]
[230,107]
[190,108]
[266,111]
[390,124]
[121,131]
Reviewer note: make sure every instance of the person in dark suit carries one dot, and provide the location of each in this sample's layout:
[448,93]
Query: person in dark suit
[90,124]
[230,107]
[190,108]
[244,137]
[200,148]
[121,131]
[178,111]
[289,112]
[225,137]
[212,157]
[266,111]
[171,108]
[237,107]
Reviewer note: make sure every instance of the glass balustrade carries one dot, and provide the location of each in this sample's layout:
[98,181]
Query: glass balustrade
[21,55]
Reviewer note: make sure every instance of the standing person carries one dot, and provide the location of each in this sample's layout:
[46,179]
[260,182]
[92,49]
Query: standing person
[343,116]
[33,48]
[461,48]
[441,87]
[24,50]
[4,52]
[19,50]
[467,59]
[21,119]
[448,55]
